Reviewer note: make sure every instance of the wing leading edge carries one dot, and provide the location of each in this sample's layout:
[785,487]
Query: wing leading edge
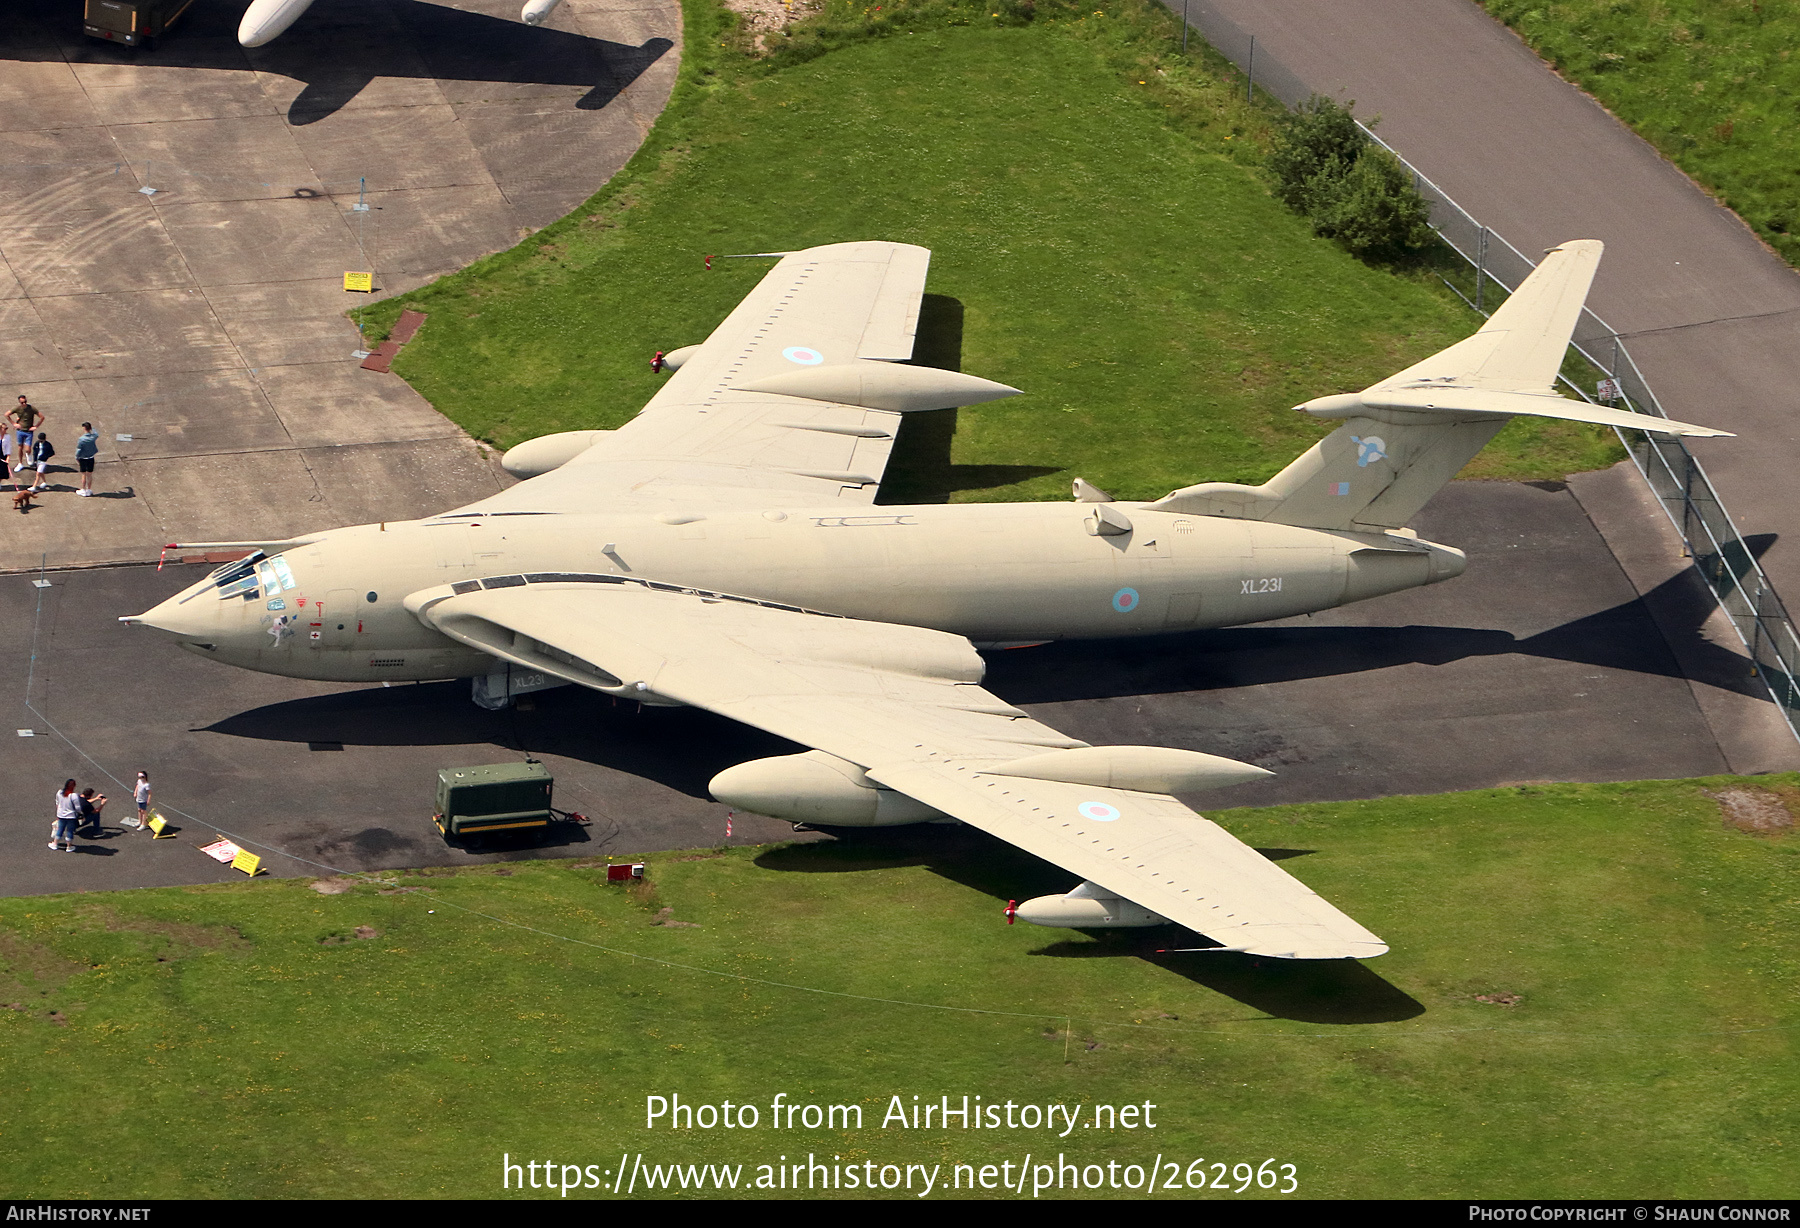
[905,704]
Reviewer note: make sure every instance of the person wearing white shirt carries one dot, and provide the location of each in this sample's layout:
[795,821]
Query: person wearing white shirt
[62,832]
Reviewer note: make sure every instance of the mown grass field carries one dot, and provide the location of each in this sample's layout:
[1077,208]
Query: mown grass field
[1711,84]
[1101,239]
[1637,1040]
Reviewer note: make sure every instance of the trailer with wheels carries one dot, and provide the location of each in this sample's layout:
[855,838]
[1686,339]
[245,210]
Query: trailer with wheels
[495,797]
[131,22]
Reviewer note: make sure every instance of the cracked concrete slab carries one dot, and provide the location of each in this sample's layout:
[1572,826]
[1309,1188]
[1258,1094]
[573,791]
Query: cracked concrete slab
[205,319]
[336,405]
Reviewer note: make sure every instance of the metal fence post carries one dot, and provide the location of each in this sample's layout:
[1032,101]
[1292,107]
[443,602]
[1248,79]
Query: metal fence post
[1480,264]
[1184,25]
[1250,73]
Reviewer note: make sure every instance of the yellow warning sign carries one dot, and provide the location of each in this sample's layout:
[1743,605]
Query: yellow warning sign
[159,826]
[249,863]
[362,283]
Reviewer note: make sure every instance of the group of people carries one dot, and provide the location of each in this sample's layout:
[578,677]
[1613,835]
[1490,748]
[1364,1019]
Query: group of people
[80,809]
[29,448]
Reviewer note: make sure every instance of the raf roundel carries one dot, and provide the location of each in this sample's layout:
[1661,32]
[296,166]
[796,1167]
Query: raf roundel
[1125,600]
[804,355]
[1100,812]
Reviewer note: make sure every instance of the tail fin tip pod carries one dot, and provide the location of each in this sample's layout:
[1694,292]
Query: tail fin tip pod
[1403,438]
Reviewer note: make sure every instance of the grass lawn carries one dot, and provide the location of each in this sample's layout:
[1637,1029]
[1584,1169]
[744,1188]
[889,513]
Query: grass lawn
[1710,84]
[1101,237]
[260,1039]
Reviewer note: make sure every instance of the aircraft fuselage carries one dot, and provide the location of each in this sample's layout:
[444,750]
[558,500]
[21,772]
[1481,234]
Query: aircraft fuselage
[1004,573]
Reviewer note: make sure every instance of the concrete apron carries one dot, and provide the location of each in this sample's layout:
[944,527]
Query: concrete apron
[201,326]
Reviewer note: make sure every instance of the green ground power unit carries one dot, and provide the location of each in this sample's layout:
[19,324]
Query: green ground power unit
[132,22]
[493,797]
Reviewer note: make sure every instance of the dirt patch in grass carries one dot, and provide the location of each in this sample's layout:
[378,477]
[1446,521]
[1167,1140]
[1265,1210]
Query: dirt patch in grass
[332,886]
[666,919]
[760,18]
[338,938]
[180,935]
[1756,811]
[23,962]
[1499,999]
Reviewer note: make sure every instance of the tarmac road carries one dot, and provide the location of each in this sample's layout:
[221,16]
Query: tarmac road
[1709,313]
[1540,663]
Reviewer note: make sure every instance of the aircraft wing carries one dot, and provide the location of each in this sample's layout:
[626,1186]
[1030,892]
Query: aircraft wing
[793,401]
[905,704]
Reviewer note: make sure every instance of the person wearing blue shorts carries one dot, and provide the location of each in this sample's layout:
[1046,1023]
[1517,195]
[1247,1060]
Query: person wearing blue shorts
[25,420]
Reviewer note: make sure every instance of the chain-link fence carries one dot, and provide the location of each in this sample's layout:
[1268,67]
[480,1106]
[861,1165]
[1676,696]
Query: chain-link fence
[1720,554]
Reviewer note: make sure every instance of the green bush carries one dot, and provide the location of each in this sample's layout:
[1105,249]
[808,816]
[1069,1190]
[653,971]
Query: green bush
[1325,167]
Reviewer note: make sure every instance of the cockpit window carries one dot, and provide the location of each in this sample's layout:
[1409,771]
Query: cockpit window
[236,569]
[238,587]
[237,579]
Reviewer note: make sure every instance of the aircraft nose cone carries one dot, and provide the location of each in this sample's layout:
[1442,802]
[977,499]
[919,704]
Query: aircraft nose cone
[1446,563]
[196,621]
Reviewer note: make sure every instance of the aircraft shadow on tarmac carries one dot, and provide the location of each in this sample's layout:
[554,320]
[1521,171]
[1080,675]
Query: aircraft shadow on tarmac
[1622,638]
[1338,991]
[335,51]
[683,748]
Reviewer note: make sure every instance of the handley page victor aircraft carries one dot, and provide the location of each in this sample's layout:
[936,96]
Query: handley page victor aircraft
[722,550]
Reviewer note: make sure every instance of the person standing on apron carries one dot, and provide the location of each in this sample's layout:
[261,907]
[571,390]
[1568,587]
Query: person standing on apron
[86,449]
[26,421]
[62,832]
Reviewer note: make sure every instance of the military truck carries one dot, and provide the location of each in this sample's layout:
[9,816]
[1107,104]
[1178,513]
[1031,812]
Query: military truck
[132,22]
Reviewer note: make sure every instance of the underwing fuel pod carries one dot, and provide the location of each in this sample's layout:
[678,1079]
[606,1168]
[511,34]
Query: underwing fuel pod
[723,550]
[266,20]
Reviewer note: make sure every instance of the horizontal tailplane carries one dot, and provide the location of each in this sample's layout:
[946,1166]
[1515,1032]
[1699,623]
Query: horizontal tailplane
[1405,437]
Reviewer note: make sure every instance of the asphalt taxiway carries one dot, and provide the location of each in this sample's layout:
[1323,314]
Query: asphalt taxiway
[1543,662]
[1565,653]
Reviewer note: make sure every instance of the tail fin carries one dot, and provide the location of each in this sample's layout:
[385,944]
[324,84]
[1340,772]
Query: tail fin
[1405,437]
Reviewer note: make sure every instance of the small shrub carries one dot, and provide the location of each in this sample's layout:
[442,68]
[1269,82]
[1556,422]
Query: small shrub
[1325,167]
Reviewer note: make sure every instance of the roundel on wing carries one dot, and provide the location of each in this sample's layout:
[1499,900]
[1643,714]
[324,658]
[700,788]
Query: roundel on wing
[1100,812]
[806,356]
[1125,600]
